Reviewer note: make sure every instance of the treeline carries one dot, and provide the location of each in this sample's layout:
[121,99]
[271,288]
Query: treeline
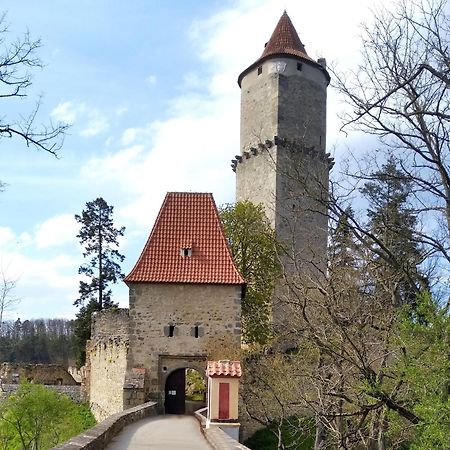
[45,341]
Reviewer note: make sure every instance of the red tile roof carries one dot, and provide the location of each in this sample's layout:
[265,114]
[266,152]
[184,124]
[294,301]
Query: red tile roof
[283,42]
[186,221]
[224,369]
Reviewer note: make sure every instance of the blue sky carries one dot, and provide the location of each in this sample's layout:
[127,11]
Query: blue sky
[150,90]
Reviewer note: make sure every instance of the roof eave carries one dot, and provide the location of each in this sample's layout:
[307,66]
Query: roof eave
[216,283]
[284,55]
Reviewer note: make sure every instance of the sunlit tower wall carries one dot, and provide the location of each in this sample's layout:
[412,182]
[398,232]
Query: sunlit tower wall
[283,163]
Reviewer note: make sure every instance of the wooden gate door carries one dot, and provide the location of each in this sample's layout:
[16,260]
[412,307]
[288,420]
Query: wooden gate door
[175,392]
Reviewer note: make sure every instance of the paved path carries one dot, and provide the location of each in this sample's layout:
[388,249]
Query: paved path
[161,433]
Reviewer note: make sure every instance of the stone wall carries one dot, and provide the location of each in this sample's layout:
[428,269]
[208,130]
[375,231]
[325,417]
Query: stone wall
[107,362]
[49,374]
[73,392]
[155,307]
[98,437]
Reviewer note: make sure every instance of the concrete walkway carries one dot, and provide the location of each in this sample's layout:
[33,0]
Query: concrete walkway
[161,433]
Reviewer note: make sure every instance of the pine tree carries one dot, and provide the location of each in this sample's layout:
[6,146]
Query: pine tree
[100,240]
[99,237]
[392,223]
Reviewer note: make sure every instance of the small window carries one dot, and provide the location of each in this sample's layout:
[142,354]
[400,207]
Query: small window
[259,70]
[186,251]
[196,331]
[171,330]
[299,66]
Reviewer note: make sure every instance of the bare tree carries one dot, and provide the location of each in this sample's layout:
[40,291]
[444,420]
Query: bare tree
[7,299]
[16,61]
[400,93]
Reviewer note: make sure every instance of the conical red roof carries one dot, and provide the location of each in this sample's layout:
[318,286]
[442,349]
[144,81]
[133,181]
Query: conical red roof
[187,245]
[285,40]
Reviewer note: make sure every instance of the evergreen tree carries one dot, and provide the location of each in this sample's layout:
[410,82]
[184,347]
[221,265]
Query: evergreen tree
[392,223]
[100,240]
[99,237]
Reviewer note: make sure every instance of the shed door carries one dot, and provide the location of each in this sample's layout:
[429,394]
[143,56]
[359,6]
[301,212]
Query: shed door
[175,392]
[224,401]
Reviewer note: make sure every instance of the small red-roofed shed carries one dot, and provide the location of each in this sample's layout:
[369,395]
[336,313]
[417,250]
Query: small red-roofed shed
[223,390]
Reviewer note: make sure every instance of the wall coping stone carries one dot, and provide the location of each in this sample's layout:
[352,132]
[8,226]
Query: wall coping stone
[217,438]
[98,437]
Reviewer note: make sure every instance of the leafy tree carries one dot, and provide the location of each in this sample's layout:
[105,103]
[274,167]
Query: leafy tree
[254,249]
[38,341]
[100,239]
[424,369]
[35,417]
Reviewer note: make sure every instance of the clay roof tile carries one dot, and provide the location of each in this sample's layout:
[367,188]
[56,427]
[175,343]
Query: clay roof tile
[187,245]
[224,369]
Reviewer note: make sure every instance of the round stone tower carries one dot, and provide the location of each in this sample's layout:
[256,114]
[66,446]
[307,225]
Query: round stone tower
[282,162]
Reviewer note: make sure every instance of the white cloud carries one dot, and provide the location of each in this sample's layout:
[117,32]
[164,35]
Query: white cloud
[151,79]
[96,124]
[7,236]
[56,231]
[91,121]
[68,111]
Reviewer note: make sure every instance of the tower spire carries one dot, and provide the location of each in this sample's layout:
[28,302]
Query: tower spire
[285,40]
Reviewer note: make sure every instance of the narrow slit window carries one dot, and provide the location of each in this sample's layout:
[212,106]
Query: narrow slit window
[171,330]
[259,70]
[196,333]
[299,66]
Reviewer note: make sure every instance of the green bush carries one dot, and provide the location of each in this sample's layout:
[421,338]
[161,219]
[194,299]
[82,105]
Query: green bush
[37,418]
[297,433]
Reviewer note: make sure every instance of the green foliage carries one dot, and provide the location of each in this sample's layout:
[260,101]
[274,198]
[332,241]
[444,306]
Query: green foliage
[37,418]
[425,369]
[195,385]
[254,249]
[295,434]
[100,240]
[38,341]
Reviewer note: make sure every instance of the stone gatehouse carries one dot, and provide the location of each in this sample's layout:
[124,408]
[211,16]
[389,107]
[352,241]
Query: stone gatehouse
[185,299]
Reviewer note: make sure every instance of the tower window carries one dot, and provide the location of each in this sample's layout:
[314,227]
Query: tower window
[196,331]
[186,251]
[259,70]
[171,330]
[299,66]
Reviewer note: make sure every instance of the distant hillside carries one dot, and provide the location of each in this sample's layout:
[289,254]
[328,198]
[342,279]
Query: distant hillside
[47,341]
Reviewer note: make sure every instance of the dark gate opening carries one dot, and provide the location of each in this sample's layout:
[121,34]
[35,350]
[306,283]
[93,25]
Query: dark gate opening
[185,392]
[175,392]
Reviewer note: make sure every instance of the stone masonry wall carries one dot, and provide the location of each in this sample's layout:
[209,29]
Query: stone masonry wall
[73,392]
[49,374]
[107,362]
[154,307]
